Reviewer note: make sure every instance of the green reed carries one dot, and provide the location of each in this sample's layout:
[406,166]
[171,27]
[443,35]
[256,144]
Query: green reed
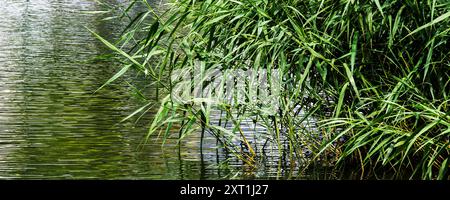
[374,76]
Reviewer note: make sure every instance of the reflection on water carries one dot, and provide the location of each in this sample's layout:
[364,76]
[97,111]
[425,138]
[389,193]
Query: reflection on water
[51,123]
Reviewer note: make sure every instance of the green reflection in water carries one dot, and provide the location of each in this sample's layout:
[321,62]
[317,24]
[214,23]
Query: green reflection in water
[52,126]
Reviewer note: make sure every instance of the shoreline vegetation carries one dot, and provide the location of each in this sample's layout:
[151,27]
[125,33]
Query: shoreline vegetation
[360,85]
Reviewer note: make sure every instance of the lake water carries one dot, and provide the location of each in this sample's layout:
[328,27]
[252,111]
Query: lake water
[53,125]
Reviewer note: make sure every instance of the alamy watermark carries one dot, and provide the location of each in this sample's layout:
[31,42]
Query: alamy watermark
[213,86]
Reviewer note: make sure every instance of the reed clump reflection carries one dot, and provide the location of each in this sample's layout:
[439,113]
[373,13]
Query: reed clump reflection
[351,85]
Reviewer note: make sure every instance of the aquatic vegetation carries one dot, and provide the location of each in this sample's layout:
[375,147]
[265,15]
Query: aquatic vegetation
[357,84]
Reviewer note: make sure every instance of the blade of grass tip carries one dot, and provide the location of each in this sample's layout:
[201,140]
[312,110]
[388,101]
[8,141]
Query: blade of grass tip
[433,7]
[133,22]
[125,12]
[114,48]
[341,100]
[217,19]
[159,116]
[152,32]
[395,26]
[429,57]
[303,78]
[117,75]
[351,79]
[379,7]
[137,91]
[435,21]
[443,169]
[136,112]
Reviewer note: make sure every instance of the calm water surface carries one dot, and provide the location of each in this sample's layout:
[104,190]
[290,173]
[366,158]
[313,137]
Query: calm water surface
[52,125]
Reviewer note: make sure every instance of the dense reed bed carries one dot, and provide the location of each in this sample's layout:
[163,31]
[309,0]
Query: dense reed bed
[374,76]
